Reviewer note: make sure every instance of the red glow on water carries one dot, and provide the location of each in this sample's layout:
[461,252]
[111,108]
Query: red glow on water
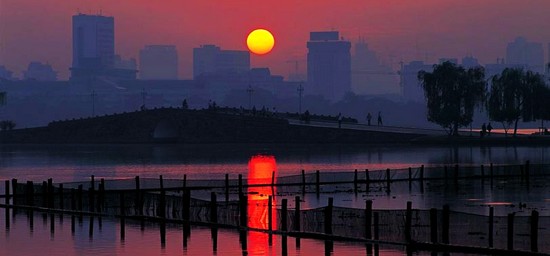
[261,170]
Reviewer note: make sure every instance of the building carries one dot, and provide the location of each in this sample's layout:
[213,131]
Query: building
[93,45]
[5,73]
[470,62]
[412,89]
[368,75]
[39,72]
[328,65]
[158,62]
[527,54]
[210,59]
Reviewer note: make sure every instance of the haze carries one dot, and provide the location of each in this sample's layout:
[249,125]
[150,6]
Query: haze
[395,29]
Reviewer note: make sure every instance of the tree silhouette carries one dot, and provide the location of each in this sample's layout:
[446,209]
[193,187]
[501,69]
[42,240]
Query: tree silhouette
[452,93]
[517,94]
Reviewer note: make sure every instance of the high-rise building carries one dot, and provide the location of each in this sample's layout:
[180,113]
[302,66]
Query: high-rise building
[93,44]
[412,89]
[210,59]
[158,62]
[328,65]
[530,55]
[40,72]
[368,75]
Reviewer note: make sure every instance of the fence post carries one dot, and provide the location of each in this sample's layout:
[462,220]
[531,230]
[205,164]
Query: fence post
[186,204]
[534,231]
[328,216]
[317,180]
[284,215]
[50,193]
[30,185]
[44,194]
[227,187]
[367,177]
[162,203]
[491,225]
[270,213]
[272,178]
[297,214]
[408,222]
[137,204]
[422,173]
[355,180]
[368,219]
[122,214]
[491,173]
[445,222]
[240,185]
[213,208]
[376,227]
[79,197]
[510,231]
[73,199]
[433,225]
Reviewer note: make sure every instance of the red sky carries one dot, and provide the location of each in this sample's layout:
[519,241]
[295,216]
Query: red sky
[396,29]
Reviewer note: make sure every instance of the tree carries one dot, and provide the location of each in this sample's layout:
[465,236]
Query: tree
[452,93]
[517,94]
[184,104]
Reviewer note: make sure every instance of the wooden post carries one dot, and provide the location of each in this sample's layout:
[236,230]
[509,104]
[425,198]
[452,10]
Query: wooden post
[79,196]
[272,178]
[534,231]
[491,173]
[240,185]
[44,194]
[368,219]
[284,214]
[270,213]
[162,201]
[410,175]
[355,180]
[61,199]
[243,211]
[388,181]
[510,231]
[184,181]
[101,196]
[7,189]
[328,216]
[73,200]
[491,227]
[297,223]
[226,187]
[445,224]
[50,193]
[14,191]
[408,222]
[367,177]
[433,225]
[213,208]
[91,195]
[138,207]
[186,204]
[422,173]
[303,178]
[317,180]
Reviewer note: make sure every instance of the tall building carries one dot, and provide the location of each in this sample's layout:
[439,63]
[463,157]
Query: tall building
[40,72]
[93,44]
[210,59]
[412,89]
[530,55]
[368,75]
[158,62]
[328,65]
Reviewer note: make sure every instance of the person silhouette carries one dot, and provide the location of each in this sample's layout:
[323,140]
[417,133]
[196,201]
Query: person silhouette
[379,118]
[489,128]
[369,117]
[483,130]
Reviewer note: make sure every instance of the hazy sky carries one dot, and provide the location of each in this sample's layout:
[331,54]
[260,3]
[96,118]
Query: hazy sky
[396,29]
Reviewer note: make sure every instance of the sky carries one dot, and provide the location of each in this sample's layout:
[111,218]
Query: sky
[40,30]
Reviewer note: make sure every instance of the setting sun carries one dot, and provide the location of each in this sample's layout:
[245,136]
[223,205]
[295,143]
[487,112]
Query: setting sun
[260,41]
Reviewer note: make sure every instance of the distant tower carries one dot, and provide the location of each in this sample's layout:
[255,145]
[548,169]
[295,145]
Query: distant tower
[530,55]
[210,59]
[328,65]
[158,62]
[93,44]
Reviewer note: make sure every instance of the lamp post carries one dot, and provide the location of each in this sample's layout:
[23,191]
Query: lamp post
[249,90]
[300,92]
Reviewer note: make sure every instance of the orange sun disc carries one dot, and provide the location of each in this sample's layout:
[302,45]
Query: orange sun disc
[260,41]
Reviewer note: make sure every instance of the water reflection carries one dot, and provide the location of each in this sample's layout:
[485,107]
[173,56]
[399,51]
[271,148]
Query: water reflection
[261,170]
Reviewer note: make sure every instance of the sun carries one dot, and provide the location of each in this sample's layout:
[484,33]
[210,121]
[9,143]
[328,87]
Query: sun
[260,41]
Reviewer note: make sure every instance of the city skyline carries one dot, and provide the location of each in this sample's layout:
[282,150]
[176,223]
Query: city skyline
[424,30]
